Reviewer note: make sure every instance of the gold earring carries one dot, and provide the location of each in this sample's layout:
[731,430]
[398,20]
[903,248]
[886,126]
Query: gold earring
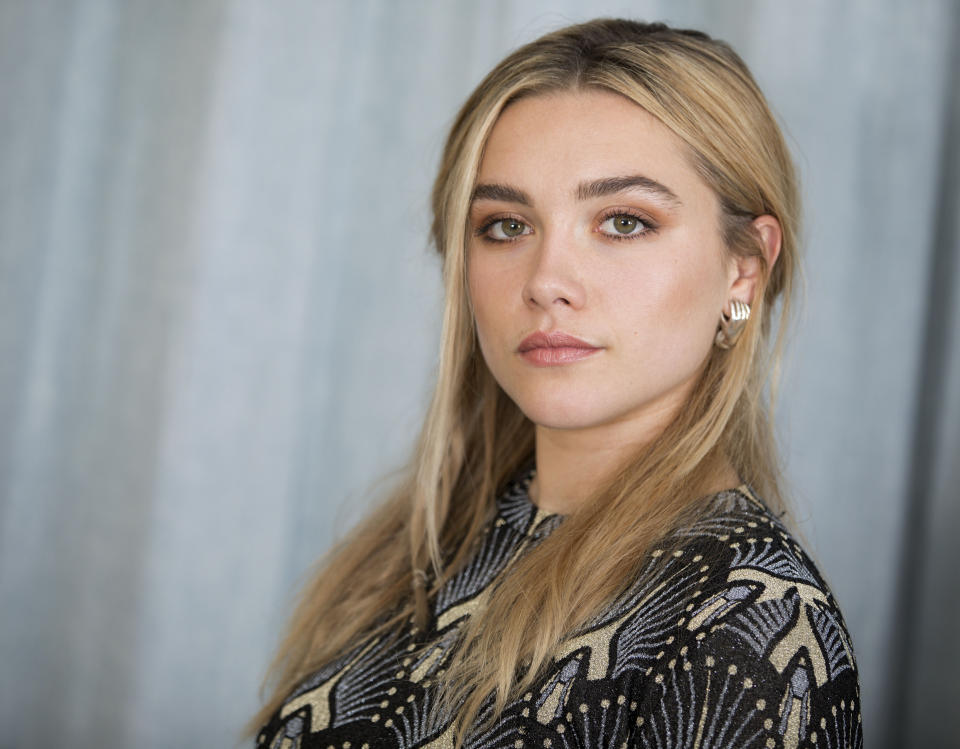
[732,326]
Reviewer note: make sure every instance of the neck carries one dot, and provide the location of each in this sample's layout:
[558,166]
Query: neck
[572,464]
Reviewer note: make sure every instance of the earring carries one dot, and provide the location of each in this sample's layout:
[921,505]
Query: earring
[731,327]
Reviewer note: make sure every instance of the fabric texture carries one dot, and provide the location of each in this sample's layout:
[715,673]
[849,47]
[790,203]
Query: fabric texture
[729,638]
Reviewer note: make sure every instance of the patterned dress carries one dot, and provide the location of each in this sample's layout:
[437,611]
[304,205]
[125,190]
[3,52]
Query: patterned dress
[732,639]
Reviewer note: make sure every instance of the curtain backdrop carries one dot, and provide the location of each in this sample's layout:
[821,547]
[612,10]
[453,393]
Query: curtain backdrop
[219,319]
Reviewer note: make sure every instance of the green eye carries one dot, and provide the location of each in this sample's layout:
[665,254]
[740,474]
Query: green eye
[625,224]
[511,227]
[504,229]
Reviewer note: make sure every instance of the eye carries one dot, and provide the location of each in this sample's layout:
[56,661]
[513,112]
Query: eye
[505,229]
[623,225]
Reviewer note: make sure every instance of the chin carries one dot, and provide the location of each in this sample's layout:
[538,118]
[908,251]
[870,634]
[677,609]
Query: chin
[563,413]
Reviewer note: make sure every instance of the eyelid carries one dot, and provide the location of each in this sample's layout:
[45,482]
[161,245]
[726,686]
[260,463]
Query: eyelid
[649,225]
[486,224]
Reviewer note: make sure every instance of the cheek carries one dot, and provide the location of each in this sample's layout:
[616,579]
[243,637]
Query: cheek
[675,308]
[486,299]
[476,288]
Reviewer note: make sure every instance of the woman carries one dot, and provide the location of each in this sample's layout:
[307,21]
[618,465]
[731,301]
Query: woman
[587,550]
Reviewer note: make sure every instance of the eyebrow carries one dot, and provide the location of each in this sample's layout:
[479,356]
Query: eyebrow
[611,185]
[503,193]
[585,191]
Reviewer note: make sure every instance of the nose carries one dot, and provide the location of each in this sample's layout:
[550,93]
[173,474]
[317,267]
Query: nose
[553,278]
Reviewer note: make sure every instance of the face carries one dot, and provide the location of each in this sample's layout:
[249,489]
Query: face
[589,222]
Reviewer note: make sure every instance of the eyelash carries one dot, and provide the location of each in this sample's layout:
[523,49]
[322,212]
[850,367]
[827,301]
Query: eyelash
[649,227]
[490,223]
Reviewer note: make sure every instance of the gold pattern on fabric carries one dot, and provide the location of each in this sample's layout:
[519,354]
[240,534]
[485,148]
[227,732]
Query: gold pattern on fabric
[800,636]
[427,664]
[697,621]
[598,640]
[471,606]
[538,518]
[776,588]
[443,741]
[318,698]
[461,610]
[791,739]
[549,707]
[629,653]
[703,713]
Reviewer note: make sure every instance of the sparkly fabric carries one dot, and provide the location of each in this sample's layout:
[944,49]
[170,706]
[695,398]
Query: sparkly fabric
[731,639]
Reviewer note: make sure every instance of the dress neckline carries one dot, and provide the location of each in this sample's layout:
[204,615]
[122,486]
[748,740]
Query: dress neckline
[516,509]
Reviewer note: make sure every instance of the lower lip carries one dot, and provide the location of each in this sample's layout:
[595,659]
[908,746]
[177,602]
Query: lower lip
[554,357]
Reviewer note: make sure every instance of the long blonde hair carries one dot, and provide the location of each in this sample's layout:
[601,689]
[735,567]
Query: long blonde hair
[474,438]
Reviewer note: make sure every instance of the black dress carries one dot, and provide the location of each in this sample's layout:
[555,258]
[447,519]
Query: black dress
[731,640]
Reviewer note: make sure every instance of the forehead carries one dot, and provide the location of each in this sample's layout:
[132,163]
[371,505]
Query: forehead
[546,142]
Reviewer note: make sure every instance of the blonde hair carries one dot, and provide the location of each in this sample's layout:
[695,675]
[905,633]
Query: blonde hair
[474,438]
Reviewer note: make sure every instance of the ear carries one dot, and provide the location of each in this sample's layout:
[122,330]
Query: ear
[745,272]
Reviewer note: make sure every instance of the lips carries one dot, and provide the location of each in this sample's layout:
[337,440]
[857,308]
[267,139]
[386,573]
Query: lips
[552,349]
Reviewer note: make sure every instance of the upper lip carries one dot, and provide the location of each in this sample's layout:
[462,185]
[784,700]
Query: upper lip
[557,339]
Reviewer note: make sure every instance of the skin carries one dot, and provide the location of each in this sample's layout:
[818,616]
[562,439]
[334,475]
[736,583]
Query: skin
[555,261]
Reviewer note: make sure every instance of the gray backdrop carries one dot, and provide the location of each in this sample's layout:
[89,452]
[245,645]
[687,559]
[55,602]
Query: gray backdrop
[219,318]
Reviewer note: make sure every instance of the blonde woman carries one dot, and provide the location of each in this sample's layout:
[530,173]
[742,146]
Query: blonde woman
[589,548]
